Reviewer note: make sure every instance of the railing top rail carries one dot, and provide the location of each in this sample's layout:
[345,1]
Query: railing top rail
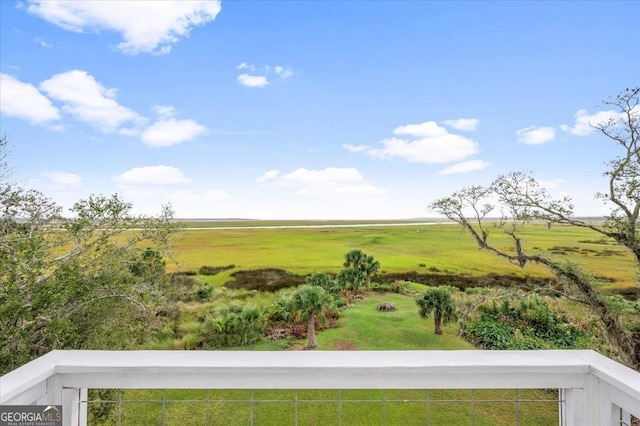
[321,369]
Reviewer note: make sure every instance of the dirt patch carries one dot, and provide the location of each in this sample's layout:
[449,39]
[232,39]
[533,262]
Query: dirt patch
[270,279]
[344,345]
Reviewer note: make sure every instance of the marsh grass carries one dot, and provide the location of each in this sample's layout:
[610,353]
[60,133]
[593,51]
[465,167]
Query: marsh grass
[443,248]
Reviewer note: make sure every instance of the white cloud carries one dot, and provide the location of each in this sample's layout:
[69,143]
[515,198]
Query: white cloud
[426,143]
[152,175]
[246,66]
[355,148]
[466,124]
[464,167]
[270,175]
[145,26]
[283,72]
[426,129]
[171,132]
[254,80]
[23,100]
[584,120]
[58,180]
[330,182]
[249,80]
[164,111]
[42,42]
[88,100]
[533,135]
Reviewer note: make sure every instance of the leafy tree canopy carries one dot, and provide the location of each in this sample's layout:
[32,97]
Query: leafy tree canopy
[86,281]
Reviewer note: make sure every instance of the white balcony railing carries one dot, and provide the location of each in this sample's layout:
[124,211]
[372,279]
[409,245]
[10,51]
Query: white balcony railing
[594,389]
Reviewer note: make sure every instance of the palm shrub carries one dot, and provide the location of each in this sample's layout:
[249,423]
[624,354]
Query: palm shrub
[235,326]
[324,280]
[310,303]
[437,301]
[351,279]
[364,263]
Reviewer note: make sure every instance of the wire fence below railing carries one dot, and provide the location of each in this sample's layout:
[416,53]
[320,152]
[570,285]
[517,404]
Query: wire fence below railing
[479,407]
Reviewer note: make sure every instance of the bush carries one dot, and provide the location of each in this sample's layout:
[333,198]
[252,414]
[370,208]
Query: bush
[179,287]
[489,333]
[324,280]
[236,326]
[531,324]
[270,279]
[204,292]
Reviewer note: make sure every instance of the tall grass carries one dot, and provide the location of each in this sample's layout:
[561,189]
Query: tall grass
[446,248]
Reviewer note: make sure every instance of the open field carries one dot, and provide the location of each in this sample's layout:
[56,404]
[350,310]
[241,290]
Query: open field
[444,248]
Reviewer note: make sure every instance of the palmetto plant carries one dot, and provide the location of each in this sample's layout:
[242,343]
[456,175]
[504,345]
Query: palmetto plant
[310,302]
[437,301]
[362,262]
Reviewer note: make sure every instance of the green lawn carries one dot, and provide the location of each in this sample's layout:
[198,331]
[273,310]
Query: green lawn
[361,328]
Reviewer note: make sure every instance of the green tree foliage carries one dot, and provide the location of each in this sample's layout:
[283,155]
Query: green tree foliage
[362,262]
[437,301]
[89,281]
[310,303]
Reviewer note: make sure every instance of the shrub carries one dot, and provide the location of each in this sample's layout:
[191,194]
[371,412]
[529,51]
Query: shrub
[489,333]
[530,324]
[236,326]
[179,287]
[324,280]
[204,292]
[270,279]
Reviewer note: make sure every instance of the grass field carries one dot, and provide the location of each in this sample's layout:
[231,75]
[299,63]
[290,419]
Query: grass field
[441,247]
[361,327]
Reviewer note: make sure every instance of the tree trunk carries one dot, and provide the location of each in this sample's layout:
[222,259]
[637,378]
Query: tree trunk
[311,333]
[437,319]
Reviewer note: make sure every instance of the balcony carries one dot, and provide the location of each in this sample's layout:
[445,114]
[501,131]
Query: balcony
[592,389]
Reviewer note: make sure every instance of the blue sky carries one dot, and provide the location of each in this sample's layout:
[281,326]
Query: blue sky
[310,109]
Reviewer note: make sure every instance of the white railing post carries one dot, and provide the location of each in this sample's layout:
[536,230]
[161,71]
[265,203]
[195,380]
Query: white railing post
[73,412]
[573,410]
[54,391]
